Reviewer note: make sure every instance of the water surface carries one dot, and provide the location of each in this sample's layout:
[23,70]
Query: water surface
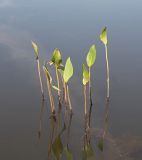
[73,26]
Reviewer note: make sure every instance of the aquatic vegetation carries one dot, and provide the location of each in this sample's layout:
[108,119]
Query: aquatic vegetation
[103,38]
[49,86]
[67,74]
[57,60]
[35,47]
[85,80]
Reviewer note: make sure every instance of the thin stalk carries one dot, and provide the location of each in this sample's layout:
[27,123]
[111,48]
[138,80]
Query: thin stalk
[58,82]
[107,65]
[40,119]
[90,98]
[65,92]
[89,83]
[68,95]
[50,97]
[41,86]
[85,103]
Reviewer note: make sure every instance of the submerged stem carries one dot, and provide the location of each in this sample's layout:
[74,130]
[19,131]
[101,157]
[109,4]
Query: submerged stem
[39,74]
[107,65]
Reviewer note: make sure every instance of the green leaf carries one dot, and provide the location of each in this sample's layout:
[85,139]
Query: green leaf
[35,47]
[68,71]
[87,152]
[103,36]
[85,75]
[57,148]
[68,154]
[47,73]
[56,88]
[56,57]
[91,56]
[101,144]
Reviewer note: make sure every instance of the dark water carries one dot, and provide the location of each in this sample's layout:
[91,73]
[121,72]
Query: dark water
[72,26]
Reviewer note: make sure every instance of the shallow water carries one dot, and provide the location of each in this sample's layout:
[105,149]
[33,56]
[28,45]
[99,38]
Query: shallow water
[72,26]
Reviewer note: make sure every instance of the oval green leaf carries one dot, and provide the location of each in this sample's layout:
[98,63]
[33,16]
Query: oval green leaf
[85,75]
[103,36]
[35,47]
[68,71]
[91,56]
[56,57]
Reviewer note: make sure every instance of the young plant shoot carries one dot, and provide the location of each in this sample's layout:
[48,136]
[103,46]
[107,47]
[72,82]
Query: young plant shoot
[85,81]
[49,87]
[67,74]
[103,38]
[57,60]
[90,59]
[35,47]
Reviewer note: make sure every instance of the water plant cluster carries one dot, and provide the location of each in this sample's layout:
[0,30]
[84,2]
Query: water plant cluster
[65,72]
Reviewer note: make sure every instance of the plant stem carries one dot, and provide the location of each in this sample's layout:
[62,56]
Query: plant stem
[85,103]
[65,92]
[89,82]
[50,97]
[107,65]
[58,82]
[68,96]
[41,86]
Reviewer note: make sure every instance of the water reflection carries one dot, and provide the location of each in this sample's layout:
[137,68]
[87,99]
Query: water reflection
[60,131]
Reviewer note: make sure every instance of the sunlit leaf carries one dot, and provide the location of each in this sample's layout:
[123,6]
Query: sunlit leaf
[56,88]
[56,57]
[47,73]
[101,144]
[35,47]
[57,148]
[91,56]
[68,71]
[85,75]
[68,154]
[103,36]
[87,153]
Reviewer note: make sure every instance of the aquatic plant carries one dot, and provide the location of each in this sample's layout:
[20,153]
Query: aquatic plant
[103,38]
[35,47]
[57,60]
[67,74]
[49,87]
[90,59]
[85,81]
